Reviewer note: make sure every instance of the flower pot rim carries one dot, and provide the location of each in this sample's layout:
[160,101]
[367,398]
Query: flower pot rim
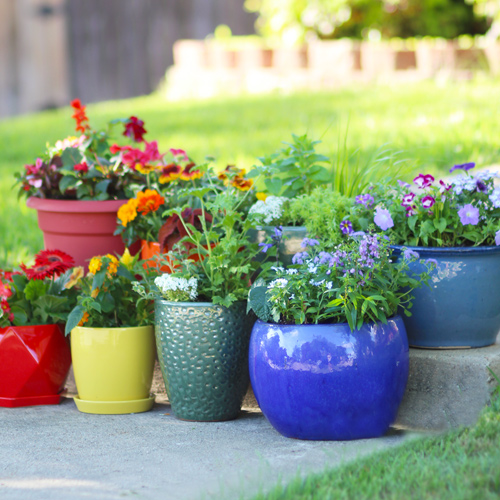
[450,250]
[196,304]
[113,328]
[45,325]
[88,206]
[293,325]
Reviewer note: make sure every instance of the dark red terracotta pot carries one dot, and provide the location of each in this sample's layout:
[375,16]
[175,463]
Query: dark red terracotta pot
[34,364]
[82,229]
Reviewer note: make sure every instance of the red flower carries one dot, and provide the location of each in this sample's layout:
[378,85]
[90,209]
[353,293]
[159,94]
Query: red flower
[134,128]
[135,156]
[189,174]
[60,260]
[81,167]
[4,305]
[80,116]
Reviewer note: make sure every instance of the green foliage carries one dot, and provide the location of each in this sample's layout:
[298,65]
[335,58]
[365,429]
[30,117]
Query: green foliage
[292,170]
[107,298]
[36,301]
[290,21]
[356,283]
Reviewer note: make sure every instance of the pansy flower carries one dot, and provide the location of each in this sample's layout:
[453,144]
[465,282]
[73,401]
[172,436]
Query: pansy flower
[423,181]
[169,173]
[428,201]
[188,174]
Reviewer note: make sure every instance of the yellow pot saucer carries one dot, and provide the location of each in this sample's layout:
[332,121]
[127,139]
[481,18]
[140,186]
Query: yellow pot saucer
[114,407]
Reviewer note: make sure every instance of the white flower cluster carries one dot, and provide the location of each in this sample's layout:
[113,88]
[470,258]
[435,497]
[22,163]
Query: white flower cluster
[271,209]
[495,197]
[177,289]
[278,283]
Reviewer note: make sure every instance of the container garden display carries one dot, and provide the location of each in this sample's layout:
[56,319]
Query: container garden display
[201,326]
[78,185]
[112,340]
[329,357]
[35,356]
[455,224]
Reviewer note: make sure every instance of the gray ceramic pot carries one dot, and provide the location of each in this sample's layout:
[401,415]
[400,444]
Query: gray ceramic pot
[203,355]
[290,244]
[461,307]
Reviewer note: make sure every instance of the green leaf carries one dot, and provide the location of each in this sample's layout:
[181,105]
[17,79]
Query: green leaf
[257,302]
[20,316]
[35,289]
[67,182]
[74,317]
[46,305]
[440,225]
[273,186]
[71,157]
[102,186]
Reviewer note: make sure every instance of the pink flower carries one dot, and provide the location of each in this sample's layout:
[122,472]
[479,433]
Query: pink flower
[407,199]
[423,181]
[428,201]
[179,152]
[34,169]
[444,187]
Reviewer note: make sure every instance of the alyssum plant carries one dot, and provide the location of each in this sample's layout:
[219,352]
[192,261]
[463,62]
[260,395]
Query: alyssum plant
[356,283]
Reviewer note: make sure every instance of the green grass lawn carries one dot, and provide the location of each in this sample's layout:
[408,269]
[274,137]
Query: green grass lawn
[460,465]
[433,126]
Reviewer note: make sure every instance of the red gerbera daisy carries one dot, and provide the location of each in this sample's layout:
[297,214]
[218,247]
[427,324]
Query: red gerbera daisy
[60,261]
[39,271]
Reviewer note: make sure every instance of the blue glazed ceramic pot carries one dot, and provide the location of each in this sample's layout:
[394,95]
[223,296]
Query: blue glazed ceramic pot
[324,382]
[461,307]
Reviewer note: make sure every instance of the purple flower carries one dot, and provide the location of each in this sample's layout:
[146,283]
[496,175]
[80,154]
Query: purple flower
[383,219]
[358,234]
[469,215]
[410,211]
[497,238]
[408,199]
[444,187]
[423,181]
[266,246]
[481,186]
[309,242]
[434,262]
[346,227]
[278,232]
[365,199]
[428,201]
[299,257]
[403,184]
[409,254]
[463,166]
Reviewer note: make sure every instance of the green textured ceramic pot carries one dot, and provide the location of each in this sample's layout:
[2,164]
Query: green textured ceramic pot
[203,355]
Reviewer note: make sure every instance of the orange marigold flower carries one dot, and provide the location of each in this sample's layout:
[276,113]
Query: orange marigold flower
[241,183]
[188,174]
[127,212]
[95,265]
[84,319]
[149,201]
[169,173]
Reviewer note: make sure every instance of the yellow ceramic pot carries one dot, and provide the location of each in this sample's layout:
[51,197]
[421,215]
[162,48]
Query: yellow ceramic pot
[113,369]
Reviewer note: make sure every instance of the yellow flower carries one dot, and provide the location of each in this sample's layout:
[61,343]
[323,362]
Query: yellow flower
[145,169]
[126,259]
[84,319]
[94,293]
[95,265]
[261,196]
[128,212]
[76,276]
[113,265]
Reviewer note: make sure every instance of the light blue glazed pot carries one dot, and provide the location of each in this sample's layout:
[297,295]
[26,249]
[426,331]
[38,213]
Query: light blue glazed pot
[324,382]
[461,305]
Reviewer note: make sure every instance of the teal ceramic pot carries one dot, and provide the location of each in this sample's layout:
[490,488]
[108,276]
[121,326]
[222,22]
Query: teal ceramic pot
[203,355]
[289,246]
[461,307]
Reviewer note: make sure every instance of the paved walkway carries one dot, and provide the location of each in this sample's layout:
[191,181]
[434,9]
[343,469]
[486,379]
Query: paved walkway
[56,453]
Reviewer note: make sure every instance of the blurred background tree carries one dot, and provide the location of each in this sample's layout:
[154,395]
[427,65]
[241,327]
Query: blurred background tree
[293,21]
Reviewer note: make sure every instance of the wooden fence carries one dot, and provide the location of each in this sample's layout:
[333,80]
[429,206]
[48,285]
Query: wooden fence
[54,50]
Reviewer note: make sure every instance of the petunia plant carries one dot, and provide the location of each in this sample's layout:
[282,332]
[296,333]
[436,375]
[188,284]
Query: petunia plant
[355,283]
[107,298]
[41,294]
[457,212]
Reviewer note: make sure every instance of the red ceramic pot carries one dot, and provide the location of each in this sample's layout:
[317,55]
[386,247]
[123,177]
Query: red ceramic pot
[82,229]
[34,364]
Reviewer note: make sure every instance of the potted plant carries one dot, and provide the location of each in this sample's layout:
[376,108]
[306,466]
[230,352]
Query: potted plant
[329,355]
[201,326]
[455,222]
[78,184]
[34,354]
[112,341]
